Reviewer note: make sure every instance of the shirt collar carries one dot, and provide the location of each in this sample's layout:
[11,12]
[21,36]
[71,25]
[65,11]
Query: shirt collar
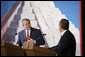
[63,32]
[29,30]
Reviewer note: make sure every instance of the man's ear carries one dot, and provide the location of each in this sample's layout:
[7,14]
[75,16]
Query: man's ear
[61,29]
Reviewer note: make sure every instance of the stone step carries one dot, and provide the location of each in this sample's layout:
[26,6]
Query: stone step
[27,6]
[10,38]
[27,10]
[11,31]
[14,24]
[17,17]
[34,23]
[20,10]
[27,3]
[29,16]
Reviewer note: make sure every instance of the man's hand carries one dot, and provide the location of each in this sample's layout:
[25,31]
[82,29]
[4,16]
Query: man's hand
[34,41]
[31,42]
[25,45]
[28,44]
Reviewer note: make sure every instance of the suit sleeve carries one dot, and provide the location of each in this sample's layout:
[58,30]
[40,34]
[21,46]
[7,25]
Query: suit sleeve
[40,41]
[64,42]
[19,41]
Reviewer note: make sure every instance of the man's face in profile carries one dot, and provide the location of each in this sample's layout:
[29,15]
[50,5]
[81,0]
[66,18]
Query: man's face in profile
[60,29]
[26,24]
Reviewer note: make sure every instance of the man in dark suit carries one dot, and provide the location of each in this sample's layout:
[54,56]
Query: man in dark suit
[67,43]
[30,34]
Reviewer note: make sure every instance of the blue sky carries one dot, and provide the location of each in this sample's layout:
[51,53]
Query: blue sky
[5,6]
[70,9]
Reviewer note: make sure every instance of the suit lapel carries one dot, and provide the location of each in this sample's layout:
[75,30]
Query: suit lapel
[24,34]
[31,33]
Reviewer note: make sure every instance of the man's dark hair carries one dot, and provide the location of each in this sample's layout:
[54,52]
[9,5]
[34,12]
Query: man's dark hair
[25,19]
[64,23]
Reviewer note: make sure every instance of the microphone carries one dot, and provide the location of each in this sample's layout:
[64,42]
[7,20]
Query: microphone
[15,34]
[44,34]
[41,36]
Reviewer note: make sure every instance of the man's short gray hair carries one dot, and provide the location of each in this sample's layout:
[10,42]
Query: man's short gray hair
[25,19]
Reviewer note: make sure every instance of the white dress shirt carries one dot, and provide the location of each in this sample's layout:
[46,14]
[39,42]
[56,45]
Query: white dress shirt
[29,33]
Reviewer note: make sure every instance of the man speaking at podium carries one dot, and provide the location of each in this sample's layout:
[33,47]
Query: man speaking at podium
[30,34]
[67,43]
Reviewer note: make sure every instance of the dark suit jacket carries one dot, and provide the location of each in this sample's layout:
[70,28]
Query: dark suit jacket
[34,34]
[66,45]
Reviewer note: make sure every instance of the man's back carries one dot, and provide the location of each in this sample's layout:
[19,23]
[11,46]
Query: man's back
[67,45]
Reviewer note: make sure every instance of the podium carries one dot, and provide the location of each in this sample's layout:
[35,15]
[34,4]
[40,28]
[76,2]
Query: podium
[39,51]
[10,50]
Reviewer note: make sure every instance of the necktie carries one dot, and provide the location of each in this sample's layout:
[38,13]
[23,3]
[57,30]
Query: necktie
[27,35]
